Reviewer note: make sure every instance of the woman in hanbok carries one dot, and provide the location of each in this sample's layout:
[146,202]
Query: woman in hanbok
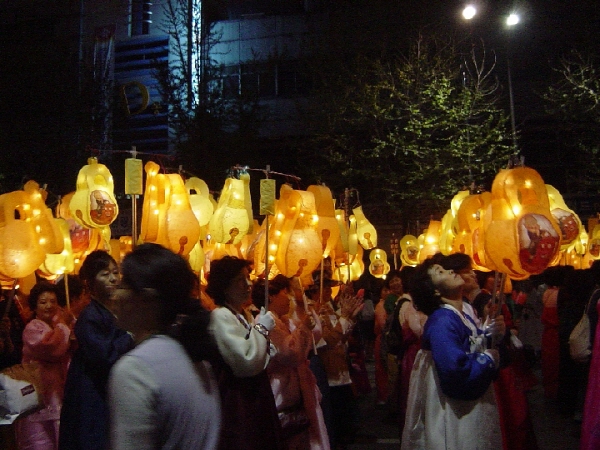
[294,385]
[45,342]
[451,402]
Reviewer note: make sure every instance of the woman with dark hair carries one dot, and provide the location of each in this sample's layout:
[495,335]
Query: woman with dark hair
[293,384]
[158,398]
[45,342]
[100,342]
[249,418]
[451,401]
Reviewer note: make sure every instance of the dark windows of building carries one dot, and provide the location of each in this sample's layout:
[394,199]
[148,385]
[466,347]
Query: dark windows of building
[265,80]
[141,17]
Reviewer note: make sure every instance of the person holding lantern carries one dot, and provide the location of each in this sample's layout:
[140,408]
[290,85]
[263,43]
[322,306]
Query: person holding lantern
[338,318]
[45,342]
[100,343]
[451,402]
[294,385]
[249,413]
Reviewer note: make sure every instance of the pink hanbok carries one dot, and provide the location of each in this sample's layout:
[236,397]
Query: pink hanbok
[49,347]
[294,384]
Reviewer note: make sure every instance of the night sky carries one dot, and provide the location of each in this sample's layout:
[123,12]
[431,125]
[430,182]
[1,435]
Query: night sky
[39,77]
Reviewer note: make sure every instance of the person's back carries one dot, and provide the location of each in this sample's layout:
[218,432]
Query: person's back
[157,387]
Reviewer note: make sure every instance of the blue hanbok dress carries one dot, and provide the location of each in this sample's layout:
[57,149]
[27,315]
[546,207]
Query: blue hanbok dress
[451,402]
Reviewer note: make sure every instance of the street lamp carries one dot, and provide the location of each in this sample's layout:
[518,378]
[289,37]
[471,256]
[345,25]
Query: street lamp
[468,13]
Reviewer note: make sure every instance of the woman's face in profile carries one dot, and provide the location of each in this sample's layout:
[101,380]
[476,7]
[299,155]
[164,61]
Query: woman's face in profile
[105,283]
[239,290]
[445,281]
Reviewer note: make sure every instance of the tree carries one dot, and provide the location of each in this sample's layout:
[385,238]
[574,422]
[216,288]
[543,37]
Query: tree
[212,132]
[574,100]
[409,128]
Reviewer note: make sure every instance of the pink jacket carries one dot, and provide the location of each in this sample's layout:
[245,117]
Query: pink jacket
[291,378]
[49,348]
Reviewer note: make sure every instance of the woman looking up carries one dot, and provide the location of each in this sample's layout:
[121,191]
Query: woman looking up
[158,398]
[451,401]
[249,419]
[100,342]
[45,342]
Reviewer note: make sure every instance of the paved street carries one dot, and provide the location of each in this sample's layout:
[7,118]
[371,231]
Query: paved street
[378,431]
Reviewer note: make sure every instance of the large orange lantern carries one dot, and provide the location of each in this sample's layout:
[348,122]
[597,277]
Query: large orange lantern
[346,272]
[94,204]
[57,264]
[521,235]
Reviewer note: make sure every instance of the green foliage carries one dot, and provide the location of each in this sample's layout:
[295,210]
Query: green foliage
[408,129]
[574,99]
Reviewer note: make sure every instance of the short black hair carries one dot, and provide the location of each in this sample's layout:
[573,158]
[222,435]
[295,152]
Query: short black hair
[426,297]
[38,289]
[276,285]
[222,272]
[94,263]
[456,262]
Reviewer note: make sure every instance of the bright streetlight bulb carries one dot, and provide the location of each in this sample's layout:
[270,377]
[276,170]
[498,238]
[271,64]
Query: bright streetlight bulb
[469,12]
[512,20]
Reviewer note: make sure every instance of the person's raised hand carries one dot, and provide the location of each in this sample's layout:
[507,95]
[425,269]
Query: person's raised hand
[266,319]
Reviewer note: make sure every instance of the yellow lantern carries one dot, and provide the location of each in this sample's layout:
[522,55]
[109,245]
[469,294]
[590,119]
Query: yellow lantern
[299,251]
[366,233]
[47,229]
[409,250]
[470,232]
[55,265]
[340,217]
[594,243]
[197,258]
[231,222]
[352,236]
[431,240]
[327,226]
[200,203]
[450,224]
[379,266]
[167,217]
[94,204]
[568,221]
[521,235]
[20,250]
[352,271]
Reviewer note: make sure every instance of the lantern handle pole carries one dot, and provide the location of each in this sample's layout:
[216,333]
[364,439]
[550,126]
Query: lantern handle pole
[67,298]
[267,269]
[133,208]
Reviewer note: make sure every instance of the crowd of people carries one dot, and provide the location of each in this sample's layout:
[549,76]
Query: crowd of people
[144,357]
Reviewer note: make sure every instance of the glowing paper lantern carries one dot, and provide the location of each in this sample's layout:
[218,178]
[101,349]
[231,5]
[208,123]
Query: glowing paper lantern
[327,226]
[167,217]
[47,229]
[55,265]
[94,204]
[200,202]
[299,251]
[367,235]
[21,252]
[431,240]
[343,227]
[231,221]
[521,235]
[450,224]
[379,266]
[568,221]
[352,271]
[594,243]
[470,231]
[409,250]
